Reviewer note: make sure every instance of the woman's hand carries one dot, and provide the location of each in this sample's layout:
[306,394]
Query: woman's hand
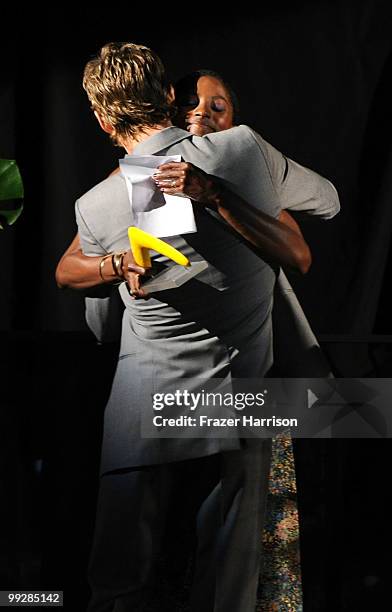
[184,179]
[132,273]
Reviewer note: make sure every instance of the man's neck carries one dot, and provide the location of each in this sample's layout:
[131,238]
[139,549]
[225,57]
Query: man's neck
[143,134]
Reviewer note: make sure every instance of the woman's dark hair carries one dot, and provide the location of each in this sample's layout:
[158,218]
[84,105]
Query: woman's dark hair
[188,84]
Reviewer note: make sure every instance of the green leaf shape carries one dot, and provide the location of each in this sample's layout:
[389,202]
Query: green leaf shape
[10,216]
[11,185]
[11,188]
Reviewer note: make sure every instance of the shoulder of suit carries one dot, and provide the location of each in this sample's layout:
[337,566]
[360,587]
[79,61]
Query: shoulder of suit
[248,141]
[240,137]
[234,133]
[108,190]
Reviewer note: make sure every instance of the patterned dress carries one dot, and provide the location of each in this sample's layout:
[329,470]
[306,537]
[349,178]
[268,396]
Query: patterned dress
[280,581]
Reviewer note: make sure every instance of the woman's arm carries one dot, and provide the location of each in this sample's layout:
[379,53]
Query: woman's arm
[78,271]
[278,240]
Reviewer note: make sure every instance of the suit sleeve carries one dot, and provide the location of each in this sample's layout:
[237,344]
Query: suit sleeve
[235,157]
[99,301]
[89,243]
[299,188]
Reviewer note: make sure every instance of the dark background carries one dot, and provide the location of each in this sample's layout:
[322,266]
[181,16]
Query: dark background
[314,78]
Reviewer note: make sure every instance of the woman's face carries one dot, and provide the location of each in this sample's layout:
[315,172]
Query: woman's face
[207,110]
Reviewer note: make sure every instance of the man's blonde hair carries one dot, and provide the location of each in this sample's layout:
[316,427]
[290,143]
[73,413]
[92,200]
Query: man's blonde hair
[127,86]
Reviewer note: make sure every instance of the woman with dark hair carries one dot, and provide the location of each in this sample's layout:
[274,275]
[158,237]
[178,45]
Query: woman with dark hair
[207,103]
[186,87]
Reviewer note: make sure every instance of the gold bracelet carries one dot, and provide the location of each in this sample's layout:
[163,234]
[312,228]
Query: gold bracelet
[101,265]
[117,261]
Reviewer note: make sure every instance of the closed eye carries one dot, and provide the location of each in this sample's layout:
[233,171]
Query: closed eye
[218,104]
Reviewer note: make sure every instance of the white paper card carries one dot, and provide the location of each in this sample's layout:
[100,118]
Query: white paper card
[159,214]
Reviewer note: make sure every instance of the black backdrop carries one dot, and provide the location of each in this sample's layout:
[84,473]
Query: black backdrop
[314,79]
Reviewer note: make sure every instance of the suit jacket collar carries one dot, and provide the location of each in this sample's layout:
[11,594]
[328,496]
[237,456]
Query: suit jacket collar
[160,141]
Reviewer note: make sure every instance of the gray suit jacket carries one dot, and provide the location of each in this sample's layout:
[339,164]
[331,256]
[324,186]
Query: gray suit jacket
[203,328]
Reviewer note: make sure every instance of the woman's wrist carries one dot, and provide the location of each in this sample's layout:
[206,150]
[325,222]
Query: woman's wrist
[213,194]
[111,267]
[117,264]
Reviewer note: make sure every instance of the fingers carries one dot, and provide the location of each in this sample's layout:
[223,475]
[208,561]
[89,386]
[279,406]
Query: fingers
[130,265]
[174,166]
[135,289]
[177,188]
[168,174]
[171,181]
[171,177]
[181,179]
[132,273]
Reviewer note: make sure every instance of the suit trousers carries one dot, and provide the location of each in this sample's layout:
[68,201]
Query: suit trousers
[224,494]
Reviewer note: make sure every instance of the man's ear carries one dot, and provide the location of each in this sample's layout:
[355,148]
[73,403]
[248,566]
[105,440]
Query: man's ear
[171,95]
[109,129]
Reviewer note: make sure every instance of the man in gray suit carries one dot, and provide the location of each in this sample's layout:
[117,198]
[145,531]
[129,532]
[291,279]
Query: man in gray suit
[215,326]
